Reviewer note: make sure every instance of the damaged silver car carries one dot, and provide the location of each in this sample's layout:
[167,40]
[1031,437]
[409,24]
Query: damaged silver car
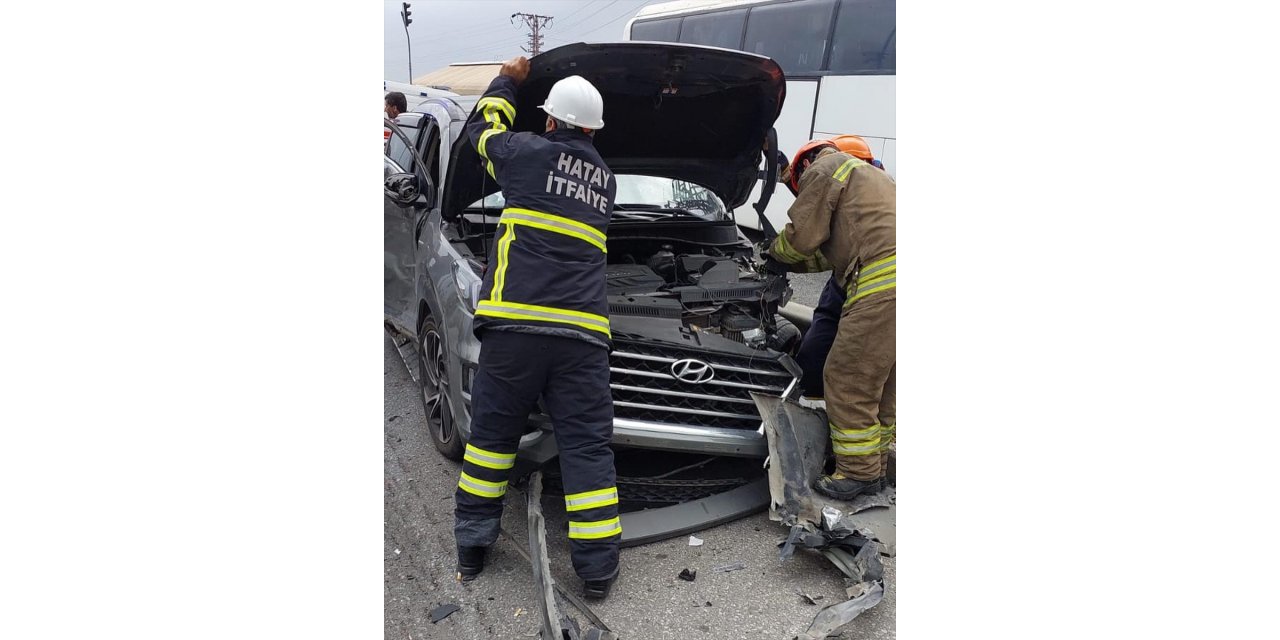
[695,323]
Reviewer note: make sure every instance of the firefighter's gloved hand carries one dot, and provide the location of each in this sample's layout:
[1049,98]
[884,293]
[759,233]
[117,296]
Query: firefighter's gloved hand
[516,68]
[772,265]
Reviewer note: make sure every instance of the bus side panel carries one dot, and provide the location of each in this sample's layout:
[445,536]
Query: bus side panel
[795,127]
[861,105]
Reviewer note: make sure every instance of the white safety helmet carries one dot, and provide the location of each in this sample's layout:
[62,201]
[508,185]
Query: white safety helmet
[576,101]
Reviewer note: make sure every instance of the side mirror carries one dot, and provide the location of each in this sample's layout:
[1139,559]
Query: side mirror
[404,190]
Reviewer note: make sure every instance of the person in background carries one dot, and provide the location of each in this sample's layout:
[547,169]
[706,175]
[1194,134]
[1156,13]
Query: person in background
[395,104]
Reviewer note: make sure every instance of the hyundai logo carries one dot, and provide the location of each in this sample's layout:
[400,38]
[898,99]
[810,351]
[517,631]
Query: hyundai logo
[692,371]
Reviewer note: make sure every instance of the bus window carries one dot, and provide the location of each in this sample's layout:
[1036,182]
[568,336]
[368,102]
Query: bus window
[665,30]
[864,41]
[720,29]
[793,34]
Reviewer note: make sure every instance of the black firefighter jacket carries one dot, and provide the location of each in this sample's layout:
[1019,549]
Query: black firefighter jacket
[547,270]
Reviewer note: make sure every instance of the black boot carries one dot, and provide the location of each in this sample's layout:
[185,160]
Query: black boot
[598,589]
[470,562]
[841,488]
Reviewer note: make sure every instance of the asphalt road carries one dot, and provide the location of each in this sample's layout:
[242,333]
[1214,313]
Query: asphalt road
[648,602]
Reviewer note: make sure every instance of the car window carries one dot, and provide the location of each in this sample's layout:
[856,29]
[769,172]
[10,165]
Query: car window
[671,194]
[430,150]
[648,192]
[665,30]
[720,29]
[864,39]
[793,34]
[399,152]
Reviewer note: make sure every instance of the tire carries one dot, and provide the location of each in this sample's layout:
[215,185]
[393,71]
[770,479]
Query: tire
[433,371]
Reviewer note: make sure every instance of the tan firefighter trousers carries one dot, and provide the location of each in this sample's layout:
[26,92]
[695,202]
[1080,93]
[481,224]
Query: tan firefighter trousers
[860,386]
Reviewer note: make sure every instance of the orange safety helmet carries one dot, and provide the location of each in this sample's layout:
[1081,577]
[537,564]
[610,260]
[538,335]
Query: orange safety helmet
[854,146]
[810,147]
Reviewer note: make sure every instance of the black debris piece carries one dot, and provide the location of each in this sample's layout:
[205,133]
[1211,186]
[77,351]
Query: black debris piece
[393,418]
[443,611]
[708,603]
[688,576]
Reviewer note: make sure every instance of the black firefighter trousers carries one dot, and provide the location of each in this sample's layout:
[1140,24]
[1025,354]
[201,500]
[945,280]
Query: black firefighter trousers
[572,378]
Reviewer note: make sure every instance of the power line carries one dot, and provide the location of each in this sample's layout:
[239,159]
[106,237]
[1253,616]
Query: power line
[626,14]
[535,23]
[590,16]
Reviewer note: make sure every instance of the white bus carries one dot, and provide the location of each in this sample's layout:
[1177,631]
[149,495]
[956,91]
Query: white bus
[838,55]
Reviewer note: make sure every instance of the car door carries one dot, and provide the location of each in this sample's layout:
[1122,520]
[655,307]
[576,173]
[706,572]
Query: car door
[397,232]
[403,222]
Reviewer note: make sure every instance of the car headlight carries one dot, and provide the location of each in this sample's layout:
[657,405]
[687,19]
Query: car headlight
[468,283]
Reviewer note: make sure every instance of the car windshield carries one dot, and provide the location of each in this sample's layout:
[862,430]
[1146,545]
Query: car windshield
[649,197]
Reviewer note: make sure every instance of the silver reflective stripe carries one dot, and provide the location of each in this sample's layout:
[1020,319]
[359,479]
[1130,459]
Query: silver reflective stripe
[840,447]
[858,435]
[589,231]
[538,313]
[864,288]
[498,463]
[866,275]
[584,503]
[601,528]
[483,490]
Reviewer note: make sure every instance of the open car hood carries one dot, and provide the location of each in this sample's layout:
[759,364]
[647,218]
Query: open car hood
[694,113]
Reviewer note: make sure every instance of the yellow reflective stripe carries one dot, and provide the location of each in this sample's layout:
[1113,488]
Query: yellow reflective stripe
[504,259]
[853,435]
[874,277]
[547,227]
[556,224]
[595,529]
[887,434]
[489,103]
[517,311]
[873,268]
[783,251]
[591,499]
[489,459]
[484,139]
[482,488]
[875,286]
[855,442]
[580,226]
[568,312]
[846,449]
[845,169]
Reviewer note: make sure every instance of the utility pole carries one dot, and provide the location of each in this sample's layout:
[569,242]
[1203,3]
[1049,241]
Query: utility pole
[404,17]
[535,24]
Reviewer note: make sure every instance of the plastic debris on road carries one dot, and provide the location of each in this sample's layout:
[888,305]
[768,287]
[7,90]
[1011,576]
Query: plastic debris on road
[695,541]
[443,611]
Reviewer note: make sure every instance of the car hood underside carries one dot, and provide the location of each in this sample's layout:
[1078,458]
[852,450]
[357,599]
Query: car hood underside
[693,113]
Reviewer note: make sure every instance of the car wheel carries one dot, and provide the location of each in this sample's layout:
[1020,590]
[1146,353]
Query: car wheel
[433,371]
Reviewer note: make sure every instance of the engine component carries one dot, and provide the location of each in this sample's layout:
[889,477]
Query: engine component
[663,263]
[785,338]
[621,279]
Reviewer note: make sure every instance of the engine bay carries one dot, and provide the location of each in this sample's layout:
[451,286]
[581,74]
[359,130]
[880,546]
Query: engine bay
[697,272]
[711,290]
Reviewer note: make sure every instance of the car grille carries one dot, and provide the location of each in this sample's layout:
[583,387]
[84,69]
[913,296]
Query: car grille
[644,389]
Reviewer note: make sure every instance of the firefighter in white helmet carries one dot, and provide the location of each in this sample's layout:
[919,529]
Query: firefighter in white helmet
[543,322]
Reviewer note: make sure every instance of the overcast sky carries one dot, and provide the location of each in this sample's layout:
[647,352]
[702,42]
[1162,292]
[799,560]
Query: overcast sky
[448,31]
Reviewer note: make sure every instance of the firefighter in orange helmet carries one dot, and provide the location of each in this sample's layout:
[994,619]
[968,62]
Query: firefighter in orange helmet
[843,221]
